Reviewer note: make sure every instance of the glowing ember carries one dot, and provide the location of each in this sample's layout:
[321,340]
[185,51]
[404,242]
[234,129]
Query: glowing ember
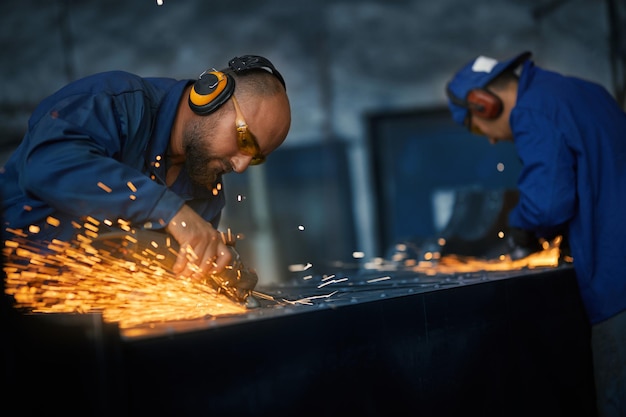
[78,279]
[104,187]
[131,186]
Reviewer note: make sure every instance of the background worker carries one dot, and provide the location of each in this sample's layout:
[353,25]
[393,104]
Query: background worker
[148,151]
[570,135]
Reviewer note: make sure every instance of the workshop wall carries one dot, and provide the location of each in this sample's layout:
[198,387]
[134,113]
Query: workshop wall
[343,61]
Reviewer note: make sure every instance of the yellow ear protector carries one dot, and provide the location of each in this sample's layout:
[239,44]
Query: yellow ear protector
[214,88]
[480,102]
[210,91]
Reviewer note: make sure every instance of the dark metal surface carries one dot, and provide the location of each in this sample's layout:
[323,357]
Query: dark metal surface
[494,344]
[301,296]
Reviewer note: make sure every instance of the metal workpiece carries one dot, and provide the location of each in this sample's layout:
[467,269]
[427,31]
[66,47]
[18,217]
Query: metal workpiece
[333,291]
[490,343]
[496,344]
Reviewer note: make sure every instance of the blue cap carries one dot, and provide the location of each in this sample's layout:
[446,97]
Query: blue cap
[476,74]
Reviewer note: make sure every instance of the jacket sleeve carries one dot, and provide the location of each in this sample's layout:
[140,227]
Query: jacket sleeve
[547,182]
[72,163]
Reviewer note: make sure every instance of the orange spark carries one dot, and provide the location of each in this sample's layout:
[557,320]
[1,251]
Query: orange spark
[104,187]
[131,186]
[77,278]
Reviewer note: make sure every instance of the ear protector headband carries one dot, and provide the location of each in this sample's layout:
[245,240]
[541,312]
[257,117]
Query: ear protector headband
[480,102]
[214,88]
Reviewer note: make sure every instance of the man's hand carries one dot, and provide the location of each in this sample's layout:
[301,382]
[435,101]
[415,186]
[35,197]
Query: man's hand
[202,248]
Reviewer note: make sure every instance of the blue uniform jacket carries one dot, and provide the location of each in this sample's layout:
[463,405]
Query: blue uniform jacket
[97,148]
[571,137]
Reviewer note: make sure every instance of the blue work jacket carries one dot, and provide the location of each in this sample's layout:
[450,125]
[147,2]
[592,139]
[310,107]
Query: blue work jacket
[570,135]
[97,148]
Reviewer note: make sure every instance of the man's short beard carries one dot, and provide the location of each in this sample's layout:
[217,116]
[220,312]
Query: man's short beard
[198,157]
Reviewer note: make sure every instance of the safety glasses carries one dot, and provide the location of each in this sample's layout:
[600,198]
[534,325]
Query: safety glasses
[246,142]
